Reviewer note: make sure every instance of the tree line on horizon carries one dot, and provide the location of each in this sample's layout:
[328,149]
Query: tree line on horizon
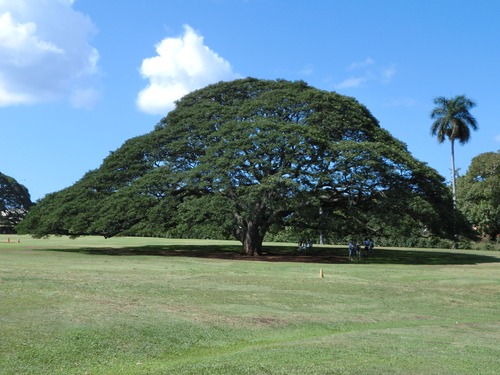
[253,158]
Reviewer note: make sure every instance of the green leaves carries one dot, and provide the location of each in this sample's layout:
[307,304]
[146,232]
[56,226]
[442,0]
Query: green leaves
[453,119]
[248,157]
[15,202]
[479,194]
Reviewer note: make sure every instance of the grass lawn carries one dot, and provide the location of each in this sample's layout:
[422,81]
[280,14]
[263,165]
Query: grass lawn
[157,306]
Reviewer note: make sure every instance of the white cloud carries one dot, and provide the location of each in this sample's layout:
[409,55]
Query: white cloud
[402,102]
[182,65]
[21,37]
[45,52]
[388,73]
[367,71]
[308,70]
[361,64]
[84,98]
[351,82]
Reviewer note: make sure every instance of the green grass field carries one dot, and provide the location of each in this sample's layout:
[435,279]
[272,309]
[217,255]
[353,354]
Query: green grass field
[156,306]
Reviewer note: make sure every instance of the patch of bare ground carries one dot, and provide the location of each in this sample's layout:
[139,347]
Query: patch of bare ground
[269,257]
[227,255]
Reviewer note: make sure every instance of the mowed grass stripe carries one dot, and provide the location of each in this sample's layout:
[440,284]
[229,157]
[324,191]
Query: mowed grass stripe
[68,308]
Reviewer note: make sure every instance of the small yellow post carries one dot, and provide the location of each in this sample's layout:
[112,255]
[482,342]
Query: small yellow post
[8,239]
[321,273]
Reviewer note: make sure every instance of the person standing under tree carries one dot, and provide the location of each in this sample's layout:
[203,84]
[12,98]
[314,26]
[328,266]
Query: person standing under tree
[352,250]
[366,242]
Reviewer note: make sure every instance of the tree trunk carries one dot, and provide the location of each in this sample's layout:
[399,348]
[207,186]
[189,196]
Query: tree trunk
[252,239]
[453,174]
[454,192]
[250,233]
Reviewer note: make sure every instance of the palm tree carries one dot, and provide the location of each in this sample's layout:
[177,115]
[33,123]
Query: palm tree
[453,120]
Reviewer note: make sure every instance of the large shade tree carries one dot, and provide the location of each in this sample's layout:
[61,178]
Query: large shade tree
[479,194]
[453,121]
[248,157]
[15,201]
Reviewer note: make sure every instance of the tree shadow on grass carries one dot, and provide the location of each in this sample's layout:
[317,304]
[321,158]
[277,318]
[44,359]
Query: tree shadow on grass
[324,255]
[427,257]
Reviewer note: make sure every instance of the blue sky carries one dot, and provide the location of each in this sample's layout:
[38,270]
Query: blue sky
[80,77]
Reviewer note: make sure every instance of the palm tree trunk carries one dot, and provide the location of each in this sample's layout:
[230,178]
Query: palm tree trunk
[454,191]
[453,174]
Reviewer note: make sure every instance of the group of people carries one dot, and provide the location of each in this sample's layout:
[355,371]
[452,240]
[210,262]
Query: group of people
[305,245]
[355,248]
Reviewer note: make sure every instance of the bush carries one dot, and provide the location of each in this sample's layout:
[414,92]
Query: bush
[485,245]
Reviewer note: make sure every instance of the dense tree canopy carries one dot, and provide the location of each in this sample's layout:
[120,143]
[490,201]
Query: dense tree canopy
[249,157]
[15,202]
[479,193]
